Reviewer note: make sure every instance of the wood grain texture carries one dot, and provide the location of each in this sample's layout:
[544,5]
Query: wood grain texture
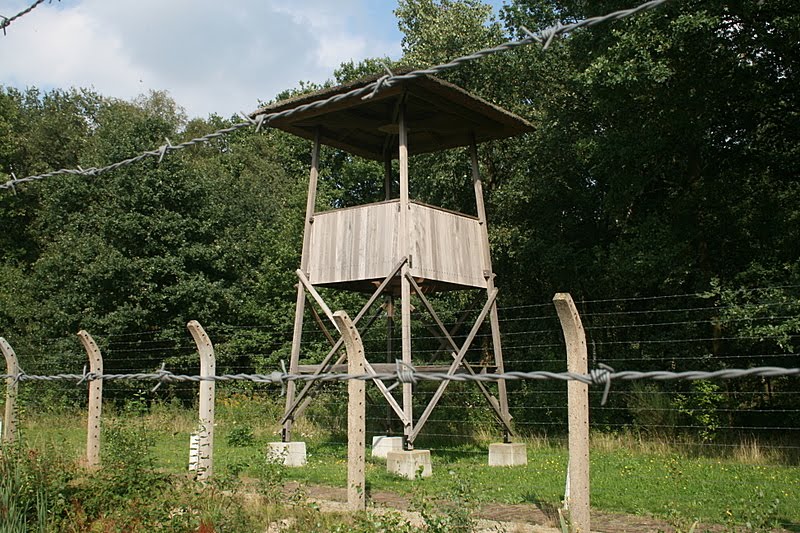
[361,243]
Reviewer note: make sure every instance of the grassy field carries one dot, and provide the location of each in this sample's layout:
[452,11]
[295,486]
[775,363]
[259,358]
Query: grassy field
[746,485]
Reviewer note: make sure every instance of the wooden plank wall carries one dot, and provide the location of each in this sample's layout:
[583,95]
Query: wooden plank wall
[360,243]
[446,247]
[353,244]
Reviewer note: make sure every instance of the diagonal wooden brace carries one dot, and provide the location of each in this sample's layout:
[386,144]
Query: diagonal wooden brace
[387,394]
[317,298]
[326,364]
[290,411]
[443,344]
[493,402]
[321,325]
[453,367]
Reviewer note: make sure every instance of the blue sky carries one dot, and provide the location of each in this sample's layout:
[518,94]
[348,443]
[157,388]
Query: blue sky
[211,56]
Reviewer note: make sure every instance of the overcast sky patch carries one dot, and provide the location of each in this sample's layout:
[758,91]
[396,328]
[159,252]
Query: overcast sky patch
[212,57]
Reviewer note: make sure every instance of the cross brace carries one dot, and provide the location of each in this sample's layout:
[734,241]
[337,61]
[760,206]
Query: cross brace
[292,409]
[458,355]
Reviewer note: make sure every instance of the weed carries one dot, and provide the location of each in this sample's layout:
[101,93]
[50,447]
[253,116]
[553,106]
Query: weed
[126,483]
[679,522]
[375,523]
[653,412]
[271,474]
[33,486]
[240,436]
[563,521]
[702,407]
[453,512]
[760,514]
[632,472]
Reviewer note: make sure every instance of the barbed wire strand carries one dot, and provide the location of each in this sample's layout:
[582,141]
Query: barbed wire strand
[261,118]
[405,373]
[6,21]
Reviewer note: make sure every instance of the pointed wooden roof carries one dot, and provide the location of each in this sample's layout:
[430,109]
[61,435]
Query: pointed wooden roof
[439,115]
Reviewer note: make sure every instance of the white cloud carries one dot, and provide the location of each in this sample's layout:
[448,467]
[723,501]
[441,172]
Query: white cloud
[211,56]
[340,30]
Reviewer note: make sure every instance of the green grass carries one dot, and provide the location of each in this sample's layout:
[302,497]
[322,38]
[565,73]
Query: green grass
[666,486]
[626,476]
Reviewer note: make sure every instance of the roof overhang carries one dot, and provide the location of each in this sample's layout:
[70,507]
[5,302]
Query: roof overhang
[438,115]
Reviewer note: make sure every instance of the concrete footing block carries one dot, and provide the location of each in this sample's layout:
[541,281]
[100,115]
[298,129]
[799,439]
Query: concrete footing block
[408,463]
[287,453]
[508,454]
[382,445]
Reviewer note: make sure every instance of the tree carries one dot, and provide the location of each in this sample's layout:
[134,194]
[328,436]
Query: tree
[664,116]
[206,234]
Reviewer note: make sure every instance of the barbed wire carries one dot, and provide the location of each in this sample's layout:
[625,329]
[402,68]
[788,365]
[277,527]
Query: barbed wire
[6,21]
[405,373]
[261,118]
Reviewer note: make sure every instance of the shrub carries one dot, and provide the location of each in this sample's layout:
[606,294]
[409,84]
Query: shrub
[34,487]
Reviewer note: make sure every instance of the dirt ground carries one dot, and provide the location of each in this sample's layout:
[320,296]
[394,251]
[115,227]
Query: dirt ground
[498,517]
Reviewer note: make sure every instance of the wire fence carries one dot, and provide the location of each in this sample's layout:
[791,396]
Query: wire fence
[673,443]
[708,398]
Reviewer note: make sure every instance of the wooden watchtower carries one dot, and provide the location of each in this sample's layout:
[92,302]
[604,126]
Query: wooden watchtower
[398,247]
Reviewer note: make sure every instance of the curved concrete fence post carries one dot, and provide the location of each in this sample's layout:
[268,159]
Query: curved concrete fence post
[12,369]
[356,414]
[205,459]
[578,406]
[95,399]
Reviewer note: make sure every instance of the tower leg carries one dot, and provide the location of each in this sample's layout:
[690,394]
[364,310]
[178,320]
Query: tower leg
[487,265]
[297,335]
[389,350]
[294,361]
[502,394]
[404,238]
[408,406]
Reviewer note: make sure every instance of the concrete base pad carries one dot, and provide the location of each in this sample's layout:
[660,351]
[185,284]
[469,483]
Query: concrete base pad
[382,445]
[508,454]
[408,463]
[288,453]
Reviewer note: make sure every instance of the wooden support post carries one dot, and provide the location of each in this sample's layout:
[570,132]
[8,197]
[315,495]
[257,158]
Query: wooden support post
[205,464]
[389,351]
[578,404]
[95,399]
[405,287]
[297,335]
[387,176]
[494,320]
[12,369]
[356,414]
[387,191]
[294,362]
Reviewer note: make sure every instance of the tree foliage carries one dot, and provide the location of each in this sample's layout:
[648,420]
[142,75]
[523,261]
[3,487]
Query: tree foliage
[664,160]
